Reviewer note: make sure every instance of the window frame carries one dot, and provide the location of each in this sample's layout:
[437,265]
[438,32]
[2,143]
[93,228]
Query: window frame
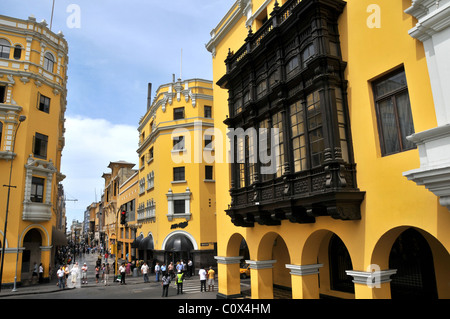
[207,111]
[179,174]
[209,172]
[5,49]
[392,96]
[176,115]
[36,193]
[42,106]
[49,64]
[43,147]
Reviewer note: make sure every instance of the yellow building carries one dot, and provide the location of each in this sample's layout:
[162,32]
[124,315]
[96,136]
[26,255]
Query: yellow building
[33,66]
[121,172]
[127,204]
[325,210]
[176,205]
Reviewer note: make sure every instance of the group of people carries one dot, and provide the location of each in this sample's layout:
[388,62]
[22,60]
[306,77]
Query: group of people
[205,277]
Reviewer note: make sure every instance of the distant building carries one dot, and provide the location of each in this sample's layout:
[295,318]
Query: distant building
[176,203]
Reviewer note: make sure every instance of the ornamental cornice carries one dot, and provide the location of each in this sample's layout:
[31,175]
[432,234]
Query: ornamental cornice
[432,15]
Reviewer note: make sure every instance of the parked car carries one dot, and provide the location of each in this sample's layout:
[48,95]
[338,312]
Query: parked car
[245,271]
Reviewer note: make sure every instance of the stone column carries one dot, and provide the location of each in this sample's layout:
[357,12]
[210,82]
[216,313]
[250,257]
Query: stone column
[229,277]
[305,281]
[261,278]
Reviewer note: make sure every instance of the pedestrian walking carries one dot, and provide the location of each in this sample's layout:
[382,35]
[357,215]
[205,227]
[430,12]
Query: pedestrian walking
[190,268]
[61,278]
[122,270]
[74,274]
[41,273]
[165,282]
[84,270]
[180,278]
[97,273]
[163,269]
[107,270]
[144,271]
[157,271]
[170,270]
[202,274]
[211,277]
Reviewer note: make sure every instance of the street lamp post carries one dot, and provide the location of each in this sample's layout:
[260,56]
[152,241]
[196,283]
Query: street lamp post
[21,119]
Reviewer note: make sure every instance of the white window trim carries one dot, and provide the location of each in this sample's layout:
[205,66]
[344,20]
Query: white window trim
[171,197]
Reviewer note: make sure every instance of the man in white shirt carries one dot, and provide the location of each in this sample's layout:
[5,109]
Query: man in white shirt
[84,274]
[61,278]
[144,271]
[202,274]
[122,270]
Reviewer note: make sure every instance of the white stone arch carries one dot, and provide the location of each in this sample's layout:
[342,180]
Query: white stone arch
[42,229]
[180,232]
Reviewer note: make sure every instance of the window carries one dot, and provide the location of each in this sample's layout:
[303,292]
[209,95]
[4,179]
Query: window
[178,113]
[393,110]
[277,121]
[44,104]
[150,154]
[178,143]
[237,107]
[314,118]
[49,61]
[5,48]
[261,88]
[308,52]
[17,52]
[1,131]
[37,190]
[208,142]
[291,65]
[274,78]
[2,93]
[208,112]
[179,206]
[298,136]
[208,172]
[40,145]
[178,174]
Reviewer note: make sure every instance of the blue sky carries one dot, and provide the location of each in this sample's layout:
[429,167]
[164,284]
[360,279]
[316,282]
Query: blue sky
[119,47]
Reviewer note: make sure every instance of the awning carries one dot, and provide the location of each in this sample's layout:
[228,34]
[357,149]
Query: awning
[137,241]
[58,237]
[147,243]
[179,243]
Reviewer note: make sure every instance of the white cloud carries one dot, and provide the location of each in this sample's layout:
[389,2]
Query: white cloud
[90,145]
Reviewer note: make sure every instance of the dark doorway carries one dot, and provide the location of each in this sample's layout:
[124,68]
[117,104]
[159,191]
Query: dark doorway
[411,256]
[340,261]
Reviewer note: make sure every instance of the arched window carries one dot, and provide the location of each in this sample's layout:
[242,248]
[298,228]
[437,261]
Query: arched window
[17,52]
[5,48]
[340,261]
[49,61]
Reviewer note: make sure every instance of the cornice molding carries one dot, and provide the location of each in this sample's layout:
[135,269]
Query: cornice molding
[432,18]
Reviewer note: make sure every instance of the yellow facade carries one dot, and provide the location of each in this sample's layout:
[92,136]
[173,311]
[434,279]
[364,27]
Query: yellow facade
[33,68]
[121,172]
[127,201]
[176,204]
[374,40]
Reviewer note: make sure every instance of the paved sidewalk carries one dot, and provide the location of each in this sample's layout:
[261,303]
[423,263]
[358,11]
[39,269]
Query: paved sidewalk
[51,287]
[90,260]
